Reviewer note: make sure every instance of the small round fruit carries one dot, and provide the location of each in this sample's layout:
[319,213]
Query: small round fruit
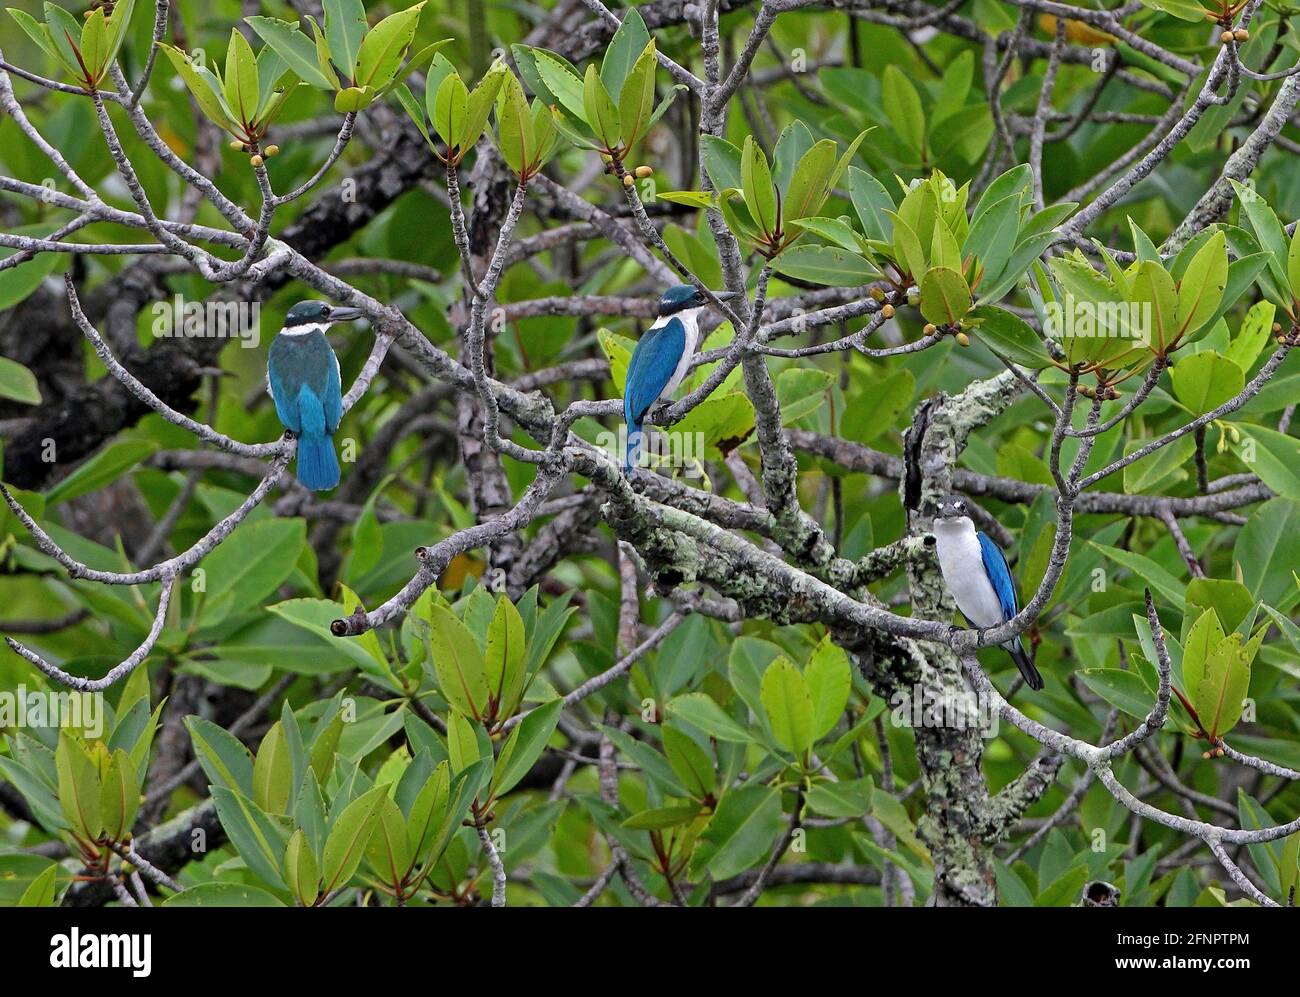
[930,329]
[887,311]
[963,339]
[1241,34]
[645,171]
[237,145]
[1226,37]
[877,294]
[256,160]
[628,180]
[272,150]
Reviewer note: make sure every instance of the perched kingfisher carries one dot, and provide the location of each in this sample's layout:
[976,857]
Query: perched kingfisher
[302,377]
[977,575]
[661,359]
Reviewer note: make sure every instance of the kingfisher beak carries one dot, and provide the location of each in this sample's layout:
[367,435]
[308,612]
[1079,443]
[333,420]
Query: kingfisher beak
[724,295]
[345,314]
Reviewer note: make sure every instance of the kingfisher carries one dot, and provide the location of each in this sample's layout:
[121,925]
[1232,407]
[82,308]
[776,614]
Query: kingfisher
[661,359]
[977,575]
[302,377]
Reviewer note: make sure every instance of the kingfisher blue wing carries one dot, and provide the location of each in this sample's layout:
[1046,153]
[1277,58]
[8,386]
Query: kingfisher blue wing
[995,563]
[295,363]
[332,399]
[653,361]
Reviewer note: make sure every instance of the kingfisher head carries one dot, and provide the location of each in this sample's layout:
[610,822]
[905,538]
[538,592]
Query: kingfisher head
[318,314]
[951,509]
[681,297]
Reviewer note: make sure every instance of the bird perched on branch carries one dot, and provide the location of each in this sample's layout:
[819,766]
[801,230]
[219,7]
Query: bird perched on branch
[302,377]
[661,359]
[977,575]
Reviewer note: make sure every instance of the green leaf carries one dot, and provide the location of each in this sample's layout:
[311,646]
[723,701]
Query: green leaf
[450,112]
[690,762]
[829,678]
[563,82]
[525,745]
[740,833]
[17,383]
[1293,265]
[41,891]
[1202,285]
[1147,571]
[200,85]
[222,756]
[514,125]
[599,109]
[295,48]
[259,840]
[1276,458]
[385,45]
[104,468]
[827,265]
[389,850]
[1230,599]
[1256,330]
[1123,690]
[219,894]
[902,106]
[1267,551]
[1216,671]
[504,657]
[79,787]
[721,162]
[1205,380]
[636,100]
[873,205]
[945,297]
[250,565]
[801,391]
[301,870]
[662,818]
[41,35]
[810,183]
[1010,337]
[345,26]
[457,662]
[349,836]
[849,798]
[756,187]
[241,79]
[1155,471]
[789,707]
[273,772]
[702,711]
[625,49]
[479,106]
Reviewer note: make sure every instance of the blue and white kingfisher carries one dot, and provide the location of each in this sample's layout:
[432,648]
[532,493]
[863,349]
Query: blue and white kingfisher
[302,377]
[661,359]
[977,575]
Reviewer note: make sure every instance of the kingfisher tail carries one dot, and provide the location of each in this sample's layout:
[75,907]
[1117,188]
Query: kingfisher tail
[1031,675]
[318,467]
[634,437]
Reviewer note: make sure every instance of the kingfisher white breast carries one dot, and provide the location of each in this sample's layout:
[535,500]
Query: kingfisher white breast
[962,562]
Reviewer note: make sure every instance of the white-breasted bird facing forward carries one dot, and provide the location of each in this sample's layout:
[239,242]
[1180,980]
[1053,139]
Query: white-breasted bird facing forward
[302,377]
[661,360]
[979,579]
